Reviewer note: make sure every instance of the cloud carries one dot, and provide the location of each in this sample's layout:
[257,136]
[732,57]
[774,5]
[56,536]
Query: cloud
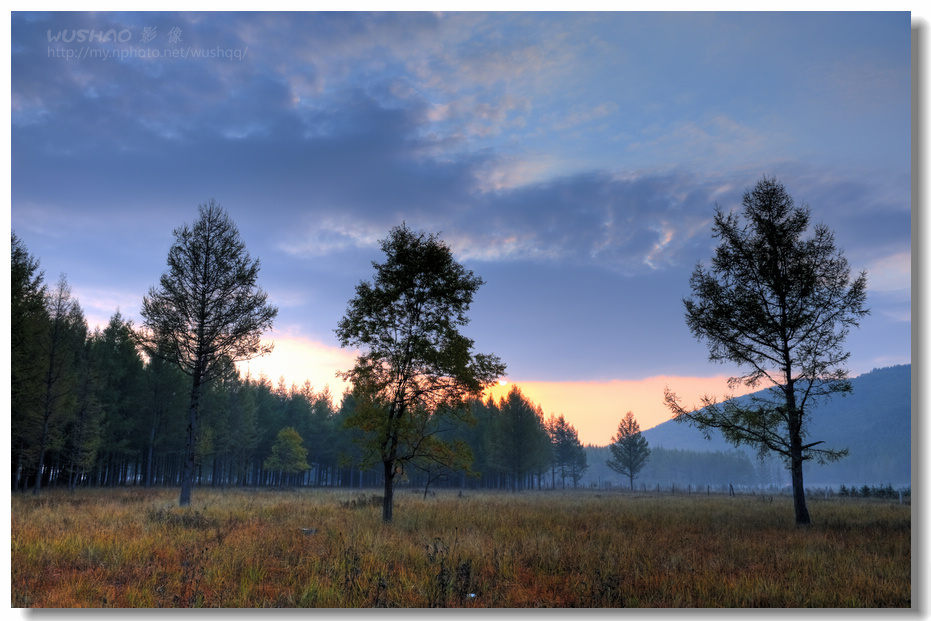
[580,115]
[891,274]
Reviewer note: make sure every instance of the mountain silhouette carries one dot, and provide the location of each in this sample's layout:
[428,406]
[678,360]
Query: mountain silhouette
[873,423]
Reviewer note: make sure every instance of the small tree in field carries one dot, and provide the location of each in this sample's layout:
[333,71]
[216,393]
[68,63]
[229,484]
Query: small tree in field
[415,365]
[289,457]
[629,449]
[780,306]
[206,314]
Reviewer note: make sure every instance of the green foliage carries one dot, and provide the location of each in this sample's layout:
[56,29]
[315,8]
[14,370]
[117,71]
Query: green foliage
[207,312]
[59,348]
[414,363]
[288,453]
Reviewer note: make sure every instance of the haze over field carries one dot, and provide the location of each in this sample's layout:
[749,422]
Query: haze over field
[573,161]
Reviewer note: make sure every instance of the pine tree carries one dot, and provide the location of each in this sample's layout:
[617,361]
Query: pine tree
[780,306]
[629,449]
[206,314]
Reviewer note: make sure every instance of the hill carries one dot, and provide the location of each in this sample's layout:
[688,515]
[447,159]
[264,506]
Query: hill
[873,423]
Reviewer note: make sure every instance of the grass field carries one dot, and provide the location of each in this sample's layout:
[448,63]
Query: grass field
[249,549]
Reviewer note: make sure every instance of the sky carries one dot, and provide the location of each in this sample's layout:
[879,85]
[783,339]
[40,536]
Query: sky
[573,161]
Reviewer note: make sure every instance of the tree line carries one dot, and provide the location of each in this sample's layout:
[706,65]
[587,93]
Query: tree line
[89,408]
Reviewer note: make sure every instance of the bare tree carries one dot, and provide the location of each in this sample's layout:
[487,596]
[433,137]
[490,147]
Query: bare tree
[207,312]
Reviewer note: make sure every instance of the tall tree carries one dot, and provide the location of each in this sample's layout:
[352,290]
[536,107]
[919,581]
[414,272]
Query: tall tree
[780,306]
[67,331]
[207,312]
[28,322]
[407,322]
[629,449]
[84,436]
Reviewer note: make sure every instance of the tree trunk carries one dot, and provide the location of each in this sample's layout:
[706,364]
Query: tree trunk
[187,474]
[387,507]
[802,518]
[40,463]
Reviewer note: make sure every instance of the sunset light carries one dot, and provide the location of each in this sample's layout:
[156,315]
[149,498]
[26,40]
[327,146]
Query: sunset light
[595,408]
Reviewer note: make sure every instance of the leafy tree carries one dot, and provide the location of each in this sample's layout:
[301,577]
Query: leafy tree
[288,454]
[629,449]
[207,312]
[780,306]
[414,359]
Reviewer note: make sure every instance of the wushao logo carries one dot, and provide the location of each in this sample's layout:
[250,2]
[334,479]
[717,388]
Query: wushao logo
[90,36]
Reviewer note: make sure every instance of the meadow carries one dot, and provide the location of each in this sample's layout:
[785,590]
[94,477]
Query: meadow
[308,548]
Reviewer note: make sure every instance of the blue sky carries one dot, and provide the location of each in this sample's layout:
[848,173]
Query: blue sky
[572,160]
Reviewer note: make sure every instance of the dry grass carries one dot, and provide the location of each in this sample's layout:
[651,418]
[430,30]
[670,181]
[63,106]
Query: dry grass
[248,549]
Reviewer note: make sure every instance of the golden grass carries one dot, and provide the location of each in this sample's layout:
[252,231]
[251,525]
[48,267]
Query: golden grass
[247,549]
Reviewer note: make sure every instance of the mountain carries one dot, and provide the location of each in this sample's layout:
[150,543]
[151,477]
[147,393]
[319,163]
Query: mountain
[873,423]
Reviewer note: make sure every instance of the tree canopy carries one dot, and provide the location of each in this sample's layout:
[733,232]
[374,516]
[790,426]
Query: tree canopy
[414,359]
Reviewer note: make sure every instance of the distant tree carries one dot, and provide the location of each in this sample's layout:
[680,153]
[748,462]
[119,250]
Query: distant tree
[568,456]
[629,449]
[578,465]
[163,408]
[780,306]
[520,444]
[207,312]
[288,456]
[85,434]
[120,372]
[414,358]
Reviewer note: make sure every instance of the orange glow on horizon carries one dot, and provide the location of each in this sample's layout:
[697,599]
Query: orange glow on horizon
[299,359]
[596,408]
[593,408]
